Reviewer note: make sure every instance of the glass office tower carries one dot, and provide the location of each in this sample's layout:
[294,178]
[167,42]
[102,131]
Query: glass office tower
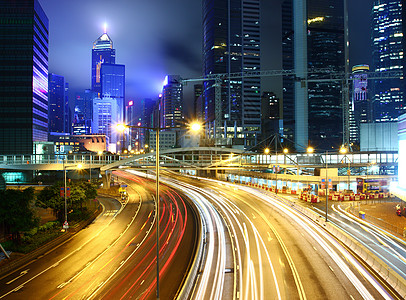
[387,55]
[56,103]
[231,44]
[24,76]
[102,52]
[319,109]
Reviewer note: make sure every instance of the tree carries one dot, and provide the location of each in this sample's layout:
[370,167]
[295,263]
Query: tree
[16,211]
[50,197]
[80,192]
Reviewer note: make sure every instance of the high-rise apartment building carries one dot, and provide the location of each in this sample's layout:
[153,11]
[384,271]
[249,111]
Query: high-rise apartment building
[313,37]
[103,52]
[231,44]
[24,76]
[172,102]
[56,103]
[387,55]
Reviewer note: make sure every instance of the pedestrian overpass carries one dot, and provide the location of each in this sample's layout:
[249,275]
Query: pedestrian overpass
[200,158]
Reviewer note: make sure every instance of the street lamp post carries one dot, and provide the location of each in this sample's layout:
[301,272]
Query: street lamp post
[65,169]
[64,194]
[122,127]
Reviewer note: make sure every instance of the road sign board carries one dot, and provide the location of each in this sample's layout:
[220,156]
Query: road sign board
[65,225]
[123,185]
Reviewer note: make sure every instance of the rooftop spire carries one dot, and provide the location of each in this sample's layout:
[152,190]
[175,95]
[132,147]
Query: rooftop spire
[105,27]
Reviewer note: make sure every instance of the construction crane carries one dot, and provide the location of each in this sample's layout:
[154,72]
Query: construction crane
[316,75]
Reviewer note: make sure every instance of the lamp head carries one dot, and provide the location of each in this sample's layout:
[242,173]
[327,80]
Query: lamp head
[120,127]
[195,127]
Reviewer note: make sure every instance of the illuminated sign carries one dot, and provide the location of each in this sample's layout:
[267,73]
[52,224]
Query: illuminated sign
[315,20]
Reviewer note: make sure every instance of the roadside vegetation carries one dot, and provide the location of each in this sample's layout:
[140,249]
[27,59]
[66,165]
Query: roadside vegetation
[20,225]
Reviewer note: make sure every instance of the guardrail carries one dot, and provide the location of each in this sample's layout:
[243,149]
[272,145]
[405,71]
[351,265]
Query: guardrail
[191,279]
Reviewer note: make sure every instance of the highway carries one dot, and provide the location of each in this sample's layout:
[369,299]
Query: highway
[115,257]
[270,251]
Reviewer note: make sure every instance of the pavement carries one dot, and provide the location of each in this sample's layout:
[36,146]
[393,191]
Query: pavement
[383,214]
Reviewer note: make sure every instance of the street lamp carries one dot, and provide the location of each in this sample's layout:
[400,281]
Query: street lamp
[121,127]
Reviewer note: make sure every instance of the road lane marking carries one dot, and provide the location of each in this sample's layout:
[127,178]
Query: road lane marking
[21,275]
[269,237]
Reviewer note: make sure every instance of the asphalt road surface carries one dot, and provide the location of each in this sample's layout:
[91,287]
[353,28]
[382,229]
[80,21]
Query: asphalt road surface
[115,257]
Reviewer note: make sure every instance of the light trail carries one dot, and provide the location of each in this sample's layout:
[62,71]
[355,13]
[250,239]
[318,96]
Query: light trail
[320,236]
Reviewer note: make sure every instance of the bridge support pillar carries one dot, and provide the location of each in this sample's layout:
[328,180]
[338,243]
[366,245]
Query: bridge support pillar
[106,178]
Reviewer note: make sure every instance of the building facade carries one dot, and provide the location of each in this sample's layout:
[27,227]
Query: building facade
[231,44]
[105,117]
[56,103]
[313,111]
[172,103]
[83,114]
[270,113]
[361,110]
[24,76]
[387,55]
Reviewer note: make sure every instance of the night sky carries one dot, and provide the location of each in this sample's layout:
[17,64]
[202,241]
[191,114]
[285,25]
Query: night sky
[159,37]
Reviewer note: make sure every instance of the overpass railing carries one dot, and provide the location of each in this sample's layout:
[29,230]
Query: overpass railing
[58,159]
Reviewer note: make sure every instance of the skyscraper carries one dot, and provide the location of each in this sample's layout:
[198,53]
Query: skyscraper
[270,114]
[24,76]
[113,83]
[172,102]
[387,55]
[106,114]
[83,114]
[102,52]
[361,105]
[313,112]
[231,31]
[56,103]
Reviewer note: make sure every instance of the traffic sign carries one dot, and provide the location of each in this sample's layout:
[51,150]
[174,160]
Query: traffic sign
[123,185]
[65,225]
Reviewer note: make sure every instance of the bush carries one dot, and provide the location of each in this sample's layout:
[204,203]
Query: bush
[49,225]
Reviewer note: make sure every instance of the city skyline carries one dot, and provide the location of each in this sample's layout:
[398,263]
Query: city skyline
[150,55]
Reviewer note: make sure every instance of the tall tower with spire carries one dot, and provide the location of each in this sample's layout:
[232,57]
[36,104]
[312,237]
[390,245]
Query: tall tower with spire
[103,52]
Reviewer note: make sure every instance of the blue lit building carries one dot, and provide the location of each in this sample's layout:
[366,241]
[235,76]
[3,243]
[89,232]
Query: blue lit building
[231,43]
[102,52]
[387,55]
[83,114]
[24,76]
[106,114]
[56,103]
